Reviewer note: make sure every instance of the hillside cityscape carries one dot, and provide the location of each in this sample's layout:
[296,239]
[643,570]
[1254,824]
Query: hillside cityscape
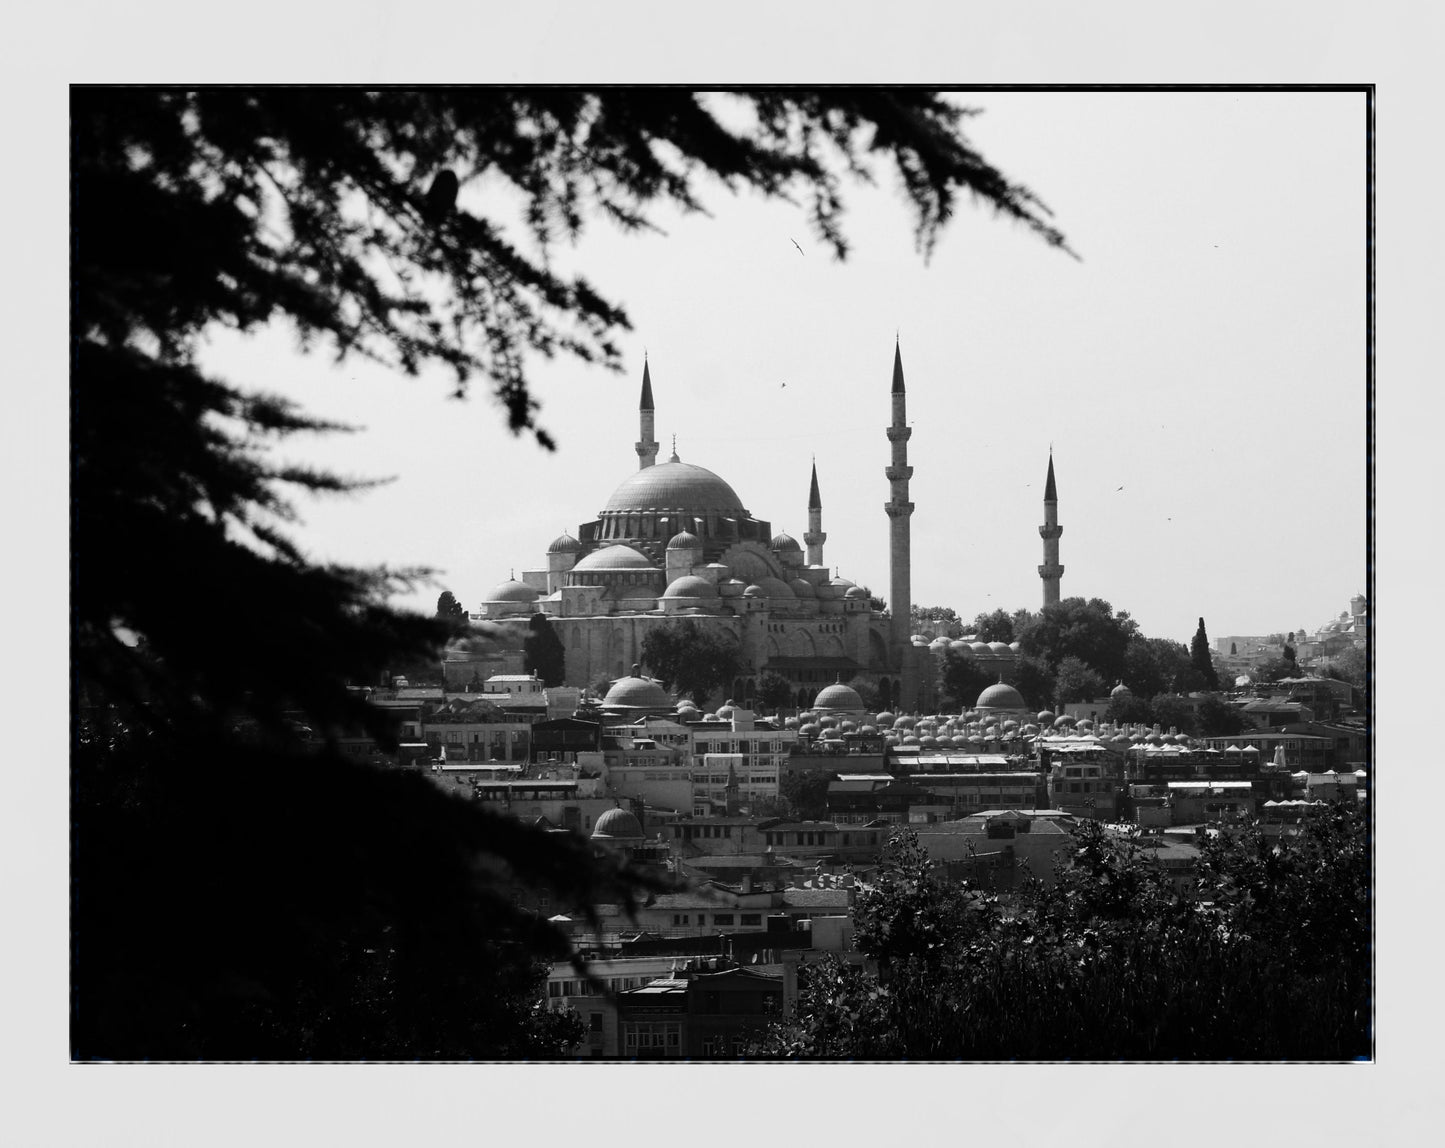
[675,784]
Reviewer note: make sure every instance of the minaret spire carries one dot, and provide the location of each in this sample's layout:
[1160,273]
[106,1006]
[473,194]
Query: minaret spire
[646,446]
[900,556]
[815,537]
[1051,572]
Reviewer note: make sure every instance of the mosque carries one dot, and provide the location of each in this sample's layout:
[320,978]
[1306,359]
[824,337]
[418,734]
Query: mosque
[673,541]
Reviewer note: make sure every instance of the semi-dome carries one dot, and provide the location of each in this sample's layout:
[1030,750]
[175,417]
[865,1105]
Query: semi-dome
[677,486]
[775,588]
[615,558]
[617,825]
[802,588]
[785,543]
[564,544]
[1000,696]
[690,586]
[838,697]
[685,540]
[512,591]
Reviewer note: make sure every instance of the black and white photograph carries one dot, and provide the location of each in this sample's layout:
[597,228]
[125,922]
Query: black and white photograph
[574,582]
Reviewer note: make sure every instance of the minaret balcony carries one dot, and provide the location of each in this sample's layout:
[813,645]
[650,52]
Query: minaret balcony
[899,434]
[1049,533]
[898,509]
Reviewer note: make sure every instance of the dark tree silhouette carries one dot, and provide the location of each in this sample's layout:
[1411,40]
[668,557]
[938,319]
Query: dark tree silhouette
[774,690]
[1200,658]
[1087,630]
[691,660]
[448,607]
[240,887]
[543,653]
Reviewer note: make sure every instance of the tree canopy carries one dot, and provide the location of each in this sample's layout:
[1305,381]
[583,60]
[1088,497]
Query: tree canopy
[691,660]
[1267,957]
[1087,630]
[1201,658]
[355,218]
[542,651]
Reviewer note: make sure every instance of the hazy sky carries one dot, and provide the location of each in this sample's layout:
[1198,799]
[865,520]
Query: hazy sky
[1207,356]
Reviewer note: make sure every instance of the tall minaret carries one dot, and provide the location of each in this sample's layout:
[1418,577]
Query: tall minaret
[900,561]
[647,446]
[1051,571]
[815,537]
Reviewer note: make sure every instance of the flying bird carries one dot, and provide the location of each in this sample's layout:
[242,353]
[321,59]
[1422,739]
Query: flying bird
[800,250]
[1121,488]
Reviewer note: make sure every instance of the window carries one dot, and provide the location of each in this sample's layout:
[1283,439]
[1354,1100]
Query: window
[722,918]
[751,919]
[594,1022]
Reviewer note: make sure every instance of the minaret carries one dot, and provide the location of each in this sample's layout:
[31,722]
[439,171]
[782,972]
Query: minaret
[815,537]
[647,446]
[1051,571]
[900,562]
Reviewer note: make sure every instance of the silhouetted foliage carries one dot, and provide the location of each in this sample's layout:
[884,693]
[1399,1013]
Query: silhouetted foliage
[1087,630]
[1174,712]
[1034,681]
[774,691]
[960,681]
[1157,665]
[1110,963]
[805,794]
[206,787]
[449,607]
[1217,718]
[1075,681]
[543,653]
[1201,659]
[691,660]
[999,626]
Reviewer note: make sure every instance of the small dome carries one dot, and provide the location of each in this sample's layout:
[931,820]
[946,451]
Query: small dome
[754,591]
[838,697]
[617,557]
[684,541]
[912,739]
[802,588]
[1181,739]
[841,583]
[691,586]
[999,649]
[1046,717]
[617,825]
[1000,696]
[512,591]
[981,649]
[961,648]
[637,693]
[1121,691]
[564,544]
[785,543]
[886,718]
[730,588]
[856,593]
[724,712]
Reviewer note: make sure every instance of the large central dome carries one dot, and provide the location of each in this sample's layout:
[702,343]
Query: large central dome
[675,486]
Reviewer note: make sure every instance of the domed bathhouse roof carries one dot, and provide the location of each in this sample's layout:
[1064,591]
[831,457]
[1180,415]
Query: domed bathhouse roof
[635,694]
[838,698]
[691,586]
[1000,696]
[617,825]
[512,591]
[564,544]
[686,540]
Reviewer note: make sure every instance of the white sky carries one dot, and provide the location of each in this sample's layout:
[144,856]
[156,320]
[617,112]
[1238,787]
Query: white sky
[1208,355]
